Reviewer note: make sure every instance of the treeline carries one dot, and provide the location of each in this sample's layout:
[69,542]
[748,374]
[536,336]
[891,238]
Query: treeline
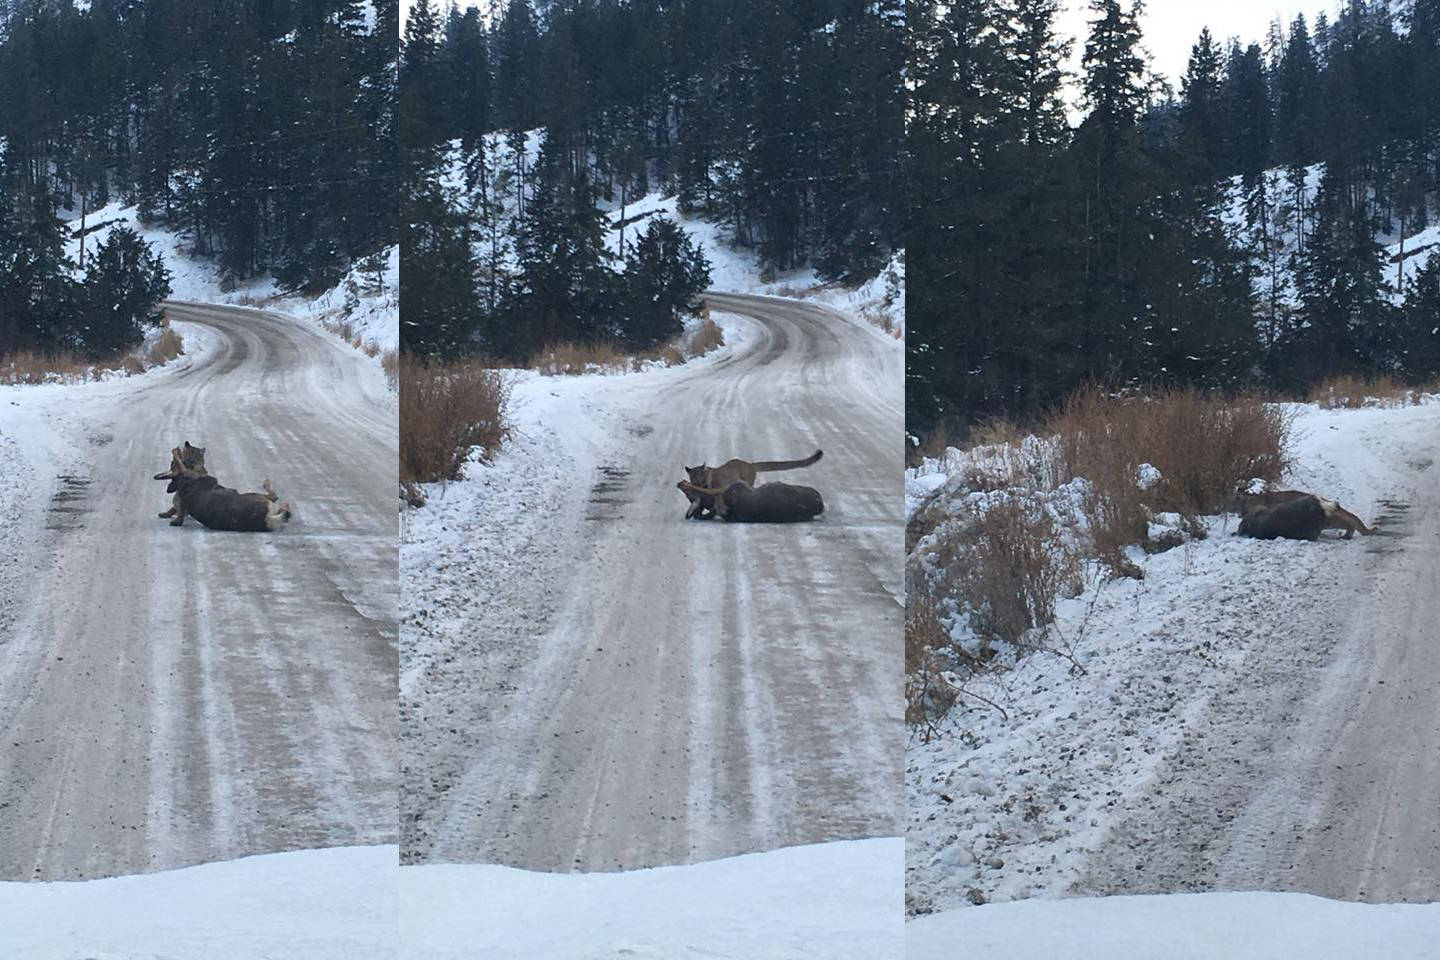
[1170,237]
[263,130]
[782,120]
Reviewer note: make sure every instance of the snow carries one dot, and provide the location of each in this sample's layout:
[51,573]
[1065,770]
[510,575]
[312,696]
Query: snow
[368,300]
[318,904]
[1205,926]
[1009,807]
[831,901]
[191,277]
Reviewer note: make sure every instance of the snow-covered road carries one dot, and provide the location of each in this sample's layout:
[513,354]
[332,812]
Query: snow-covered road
[590,682]
[1323,777]
[171,696]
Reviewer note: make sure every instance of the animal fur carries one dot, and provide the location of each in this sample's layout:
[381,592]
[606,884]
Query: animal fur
[1336,516]
[192,462]
[732,471]
[221,508]
[1299,518]
[768,503]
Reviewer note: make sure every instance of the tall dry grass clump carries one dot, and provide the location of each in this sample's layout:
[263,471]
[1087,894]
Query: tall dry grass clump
[1202,445]
[32,367]
[1349,392]
[447,409]
[571,359]
[707,336]
[166,348]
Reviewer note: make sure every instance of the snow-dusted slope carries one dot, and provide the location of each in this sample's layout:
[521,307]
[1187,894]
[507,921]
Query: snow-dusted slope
[367,297]
[733,269]
[835,901]
[333,904]
[1404,255]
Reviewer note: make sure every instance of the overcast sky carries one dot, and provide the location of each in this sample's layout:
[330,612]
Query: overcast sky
[1169,27]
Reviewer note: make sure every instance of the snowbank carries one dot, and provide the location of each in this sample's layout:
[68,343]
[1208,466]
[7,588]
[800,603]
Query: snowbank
[832,901]
[318,904]
[1205,926]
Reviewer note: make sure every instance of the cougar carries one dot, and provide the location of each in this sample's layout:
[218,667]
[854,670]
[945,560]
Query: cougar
[732,471]
[192,462]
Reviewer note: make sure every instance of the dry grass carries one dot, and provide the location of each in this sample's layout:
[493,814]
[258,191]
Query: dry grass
[708,336]
[571,359]
[446,411]
[390,363]
[1349,392]
[167,348]
[1203,446]
[31,367]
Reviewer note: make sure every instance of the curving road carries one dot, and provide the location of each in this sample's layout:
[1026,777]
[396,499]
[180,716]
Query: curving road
[697,690]
[172,696]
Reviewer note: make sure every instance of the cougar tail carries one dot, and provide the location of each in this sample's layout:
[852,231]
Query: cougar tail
[764,465]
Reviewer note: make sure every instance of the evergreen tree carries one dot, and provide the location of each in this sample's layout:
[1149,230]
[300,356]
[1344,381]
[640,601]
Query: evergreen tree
[123,288]
[665,274]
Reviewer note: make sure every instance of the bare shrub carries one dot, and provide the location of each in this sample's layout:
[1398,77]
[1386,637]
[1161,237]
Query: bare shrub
[1018,566]
[132,365]
[707,336]
[446,411]
[929,696]
[166,348]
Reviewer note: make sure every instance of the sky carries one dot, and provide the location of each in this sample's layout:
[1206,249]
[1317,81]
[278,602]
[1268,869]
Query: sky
[1169,27]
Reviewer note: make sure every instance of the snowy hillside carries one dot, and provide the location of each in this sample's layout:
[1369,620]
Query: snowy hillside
[334,904]
[367,298]
[1404,256]
[733,268]
[834,901]
[1044,758]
